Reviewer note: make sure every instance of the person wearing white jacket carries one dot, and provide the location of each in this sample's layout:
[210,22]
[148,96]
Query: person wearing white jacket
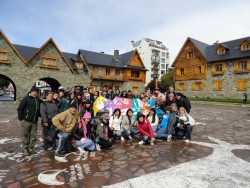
[153,119]
[186,122]
[115,123]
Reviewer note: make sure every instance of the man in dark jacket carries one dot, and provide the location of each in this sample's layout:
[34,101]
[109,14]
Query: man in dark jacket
[28,113]
[182,101]
[110,95]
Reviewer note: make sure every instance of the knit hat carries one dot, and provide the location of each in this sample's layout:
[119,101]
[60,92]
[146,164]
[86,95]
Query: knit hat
[105,116]
[87,115]
[105,110]
[34,89]
[168,108]
[139,114]
[171,95]
[73,105]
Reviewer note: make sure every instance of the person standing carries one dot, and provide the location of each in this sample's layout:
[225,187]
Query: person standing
[244,97]
[28,113]
[48,109]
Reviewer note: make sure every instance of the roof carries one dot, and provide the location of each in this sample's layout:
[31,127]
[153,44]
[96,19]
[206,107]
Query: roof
[202,47]
[233,50]
[25,51]
[101,59]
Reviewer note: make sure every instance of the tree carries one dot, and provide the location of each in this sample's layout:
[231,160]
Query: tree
[167,80]
[151,85]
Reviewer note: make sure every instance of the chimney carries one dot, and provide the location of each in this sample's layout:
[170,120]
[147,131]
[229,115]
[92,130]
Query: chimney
[116,55]
[132,41]
[102,52]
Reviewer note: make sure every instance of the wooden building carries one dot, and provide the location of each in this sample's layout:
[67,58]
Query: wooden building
[218,70]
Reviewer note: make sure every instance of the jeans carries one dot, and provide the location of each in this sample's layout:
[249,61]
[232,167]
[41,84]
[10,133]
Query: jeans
[188,129]
[161,133]
[47,144]
[145,138]
[117,133]
[87,144]
[63,140]
[28,134]
[132,132]
[154,128]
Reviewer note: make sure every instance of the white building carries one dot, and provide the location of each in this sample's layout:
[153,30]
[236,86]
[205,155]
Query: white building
[155,57]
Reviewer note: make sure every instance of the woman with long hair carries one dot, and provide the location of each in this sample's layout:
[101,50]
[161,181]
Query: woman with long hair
[115,123]
[153,119]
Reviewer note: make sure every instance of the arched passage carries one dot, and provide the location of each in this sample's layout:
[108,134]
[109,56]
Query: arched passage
[54,84]
[13,91]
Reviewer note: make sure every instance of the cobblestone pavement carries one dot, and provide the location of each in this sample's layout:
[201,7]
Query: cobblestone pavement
[127,160]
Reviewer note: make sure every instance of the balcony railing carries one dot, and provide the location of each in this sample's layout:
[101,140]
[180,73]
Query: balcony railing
[155,59]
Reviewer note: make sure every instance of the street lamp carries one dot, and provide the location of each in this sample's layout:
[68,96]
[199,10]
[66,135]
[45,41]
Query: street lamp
[156,76]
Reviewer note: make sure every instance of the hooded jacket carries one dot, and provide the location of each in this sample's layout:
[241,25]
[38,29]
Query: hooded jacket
[145,128]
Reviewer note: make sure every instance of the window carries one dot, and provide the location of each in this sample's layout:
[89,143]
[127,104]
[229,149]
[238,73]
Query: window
[3,55]
[95,69]
[167,55]
[218,67]
[242,65]
[221,51]
[163,66]
[163,54]
[134,89]
[181,86]
[245,47]
[162,60]
[79,65]
[107,71]
[182,71]
[242,84]
[135,74]
[162,72]
[198,85]
[117,72]
[49,62]
[190,55]
[217,85]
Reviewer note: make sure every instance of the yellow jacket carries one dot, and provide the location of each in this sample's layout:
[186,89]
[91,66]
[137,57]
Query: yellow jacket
[59,121]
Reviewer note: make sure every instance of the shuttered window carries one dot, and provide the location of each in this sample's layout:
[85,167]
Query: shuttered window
[181,86]
[242,84]
[198,85]
[218,68]
[217,85]
[49,61]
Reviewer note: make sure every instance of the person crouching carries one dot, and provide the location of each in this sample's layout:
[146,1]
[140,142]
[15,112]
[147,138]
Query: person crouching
[145,129]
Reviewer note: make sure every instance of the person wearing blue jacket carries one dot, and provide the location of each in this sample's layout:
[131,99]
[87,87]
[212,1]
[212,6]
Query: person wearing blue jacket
[162,132]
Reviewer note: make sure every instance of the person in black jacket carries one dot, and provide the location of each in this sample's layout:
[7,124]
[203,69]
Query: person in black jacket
[182,101]
[48,109]
[28,113]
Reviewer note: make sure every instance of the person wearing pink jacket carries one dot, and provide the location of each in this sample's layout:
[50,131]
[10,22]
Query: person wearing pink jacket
[145,129]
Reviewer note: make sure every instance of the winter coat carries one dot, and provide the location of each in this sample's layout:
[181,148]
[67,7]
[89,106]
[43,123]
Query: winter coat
[29,109]
[65,121]
[48,109]
[145,129]
[63,104]
[115,122]
[125,123]
[150,119]
[100,131]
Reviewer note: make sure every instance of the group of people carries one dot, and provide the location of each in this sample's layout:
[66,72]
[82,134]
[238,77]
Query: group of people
[70,114]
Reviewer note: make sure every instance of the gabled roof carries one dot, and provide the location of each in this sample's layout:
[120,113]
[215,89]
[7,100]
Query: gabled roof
[233,52]
[200,45]
[72,58]
[12,46]
[101,59]
[59,51]
[25,51]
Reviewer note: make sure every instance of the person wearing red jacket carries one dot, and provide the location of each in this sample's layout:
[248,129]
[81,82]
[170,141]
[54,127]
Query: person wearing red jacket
[145,129]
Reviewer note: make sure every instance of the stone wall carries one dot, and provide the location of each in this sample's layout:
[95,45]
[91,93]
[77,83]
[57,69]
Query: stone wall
[229,85]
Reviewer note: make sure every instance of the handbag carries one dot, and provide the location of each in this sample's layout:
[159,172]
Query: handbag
[53,131]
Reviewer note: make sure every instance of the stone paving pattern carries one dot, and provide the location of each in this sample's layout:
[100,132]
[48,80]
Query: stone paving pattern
[128,159]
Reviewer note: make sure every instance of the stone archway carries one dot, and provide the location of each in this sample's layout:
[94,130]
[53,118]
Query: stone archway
[54,84]
[14,85]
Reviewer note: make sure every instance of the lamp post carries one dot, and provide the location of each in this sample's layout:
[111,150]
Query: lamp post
[156,79]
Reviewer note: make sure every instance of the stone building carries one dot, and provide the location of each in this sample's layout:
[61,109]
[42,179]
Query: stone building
[220,70]
[24,65]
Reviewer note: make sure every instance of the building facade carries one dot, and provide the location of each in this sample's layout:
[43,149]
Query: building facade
[221,70]
[23,66]
[155,57]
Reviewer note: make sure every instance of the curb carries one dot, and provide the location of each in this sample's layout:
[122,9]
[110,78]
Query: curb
[220,103]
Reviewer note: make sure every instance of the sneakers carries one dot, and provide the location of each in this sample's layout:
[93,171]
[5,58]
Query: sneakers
[187,141]
[151,143]
[122,138]
[130,138]
[141,142]
[169,138]
[98,148]
[81,150]
[60,159]
[26,153]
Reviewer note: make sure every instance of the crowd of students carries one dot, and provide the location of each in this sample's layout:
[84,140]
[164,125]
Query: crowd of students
[70,113]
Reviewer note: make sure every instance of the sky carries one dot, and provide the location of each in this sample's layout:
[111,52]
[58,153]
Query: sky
[108,25]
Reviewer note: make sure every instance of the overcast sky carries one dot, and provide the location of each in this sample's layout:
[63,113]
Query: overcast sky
[107,25]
